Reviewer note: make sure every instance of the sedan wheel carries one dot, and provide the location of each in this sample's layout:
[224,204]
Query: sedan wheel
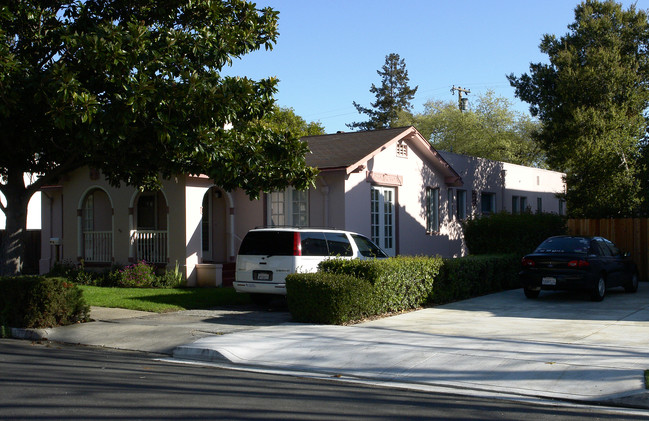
[632,285]
[600,290]
[531,293]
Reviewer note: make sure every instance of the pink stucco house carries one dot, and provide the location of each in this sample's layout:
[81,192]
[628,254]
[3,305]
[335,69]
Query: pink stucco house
[390,185]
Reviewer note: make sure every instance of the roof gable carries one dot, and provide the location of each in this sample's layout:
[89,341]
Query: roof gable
[347,151]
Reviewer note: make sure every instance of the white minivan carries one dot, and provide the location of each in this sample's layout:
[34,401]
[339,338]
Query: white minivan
[267,255]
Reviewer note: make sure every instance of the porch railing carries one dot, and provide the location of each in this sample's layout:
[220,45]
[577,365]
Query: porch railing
[98,246]
[150,245]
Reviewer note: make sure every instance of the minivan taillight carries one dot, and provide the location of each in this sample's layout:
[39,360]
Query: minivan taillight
[297,244]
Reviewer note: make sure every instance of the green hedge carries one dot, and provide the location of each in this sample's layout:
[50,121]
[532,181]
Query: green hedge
[472,276]
[504,233]
[36,302]
[349,290]
[328,298]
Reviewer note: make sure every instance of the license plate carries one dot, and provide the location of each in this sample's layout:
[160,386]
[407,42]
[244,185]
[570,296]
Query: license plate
[262,275]
[549,281]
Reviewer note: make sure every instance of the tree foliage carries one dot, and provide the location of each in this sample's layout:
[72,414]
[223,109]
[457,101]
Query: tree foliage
[133,88]
[282,119]
[394,95]
[490,129]
[591,98]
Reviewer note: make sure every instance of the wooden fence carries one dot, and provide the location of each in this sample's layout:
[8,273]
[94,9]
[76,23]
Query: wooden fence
[630,234]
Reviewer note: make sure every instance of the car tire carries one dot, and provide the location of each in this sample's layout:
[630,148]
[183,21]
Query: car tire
[599,291]
[531,293]
[632,285]
[261,299]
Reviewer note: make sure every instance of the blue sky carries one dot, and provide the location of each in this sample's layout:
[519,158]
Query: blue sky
[328,51]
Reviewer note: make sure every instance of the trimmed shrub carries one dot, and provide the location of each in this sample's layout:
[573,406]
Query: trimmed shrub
[33,302]
[472,276]
[328,298]
[504,233]
[400,283]
[347,290]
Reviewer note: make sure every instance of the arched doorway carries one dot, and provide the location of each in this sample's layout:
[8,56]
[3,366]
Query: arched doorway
[150,238]
[95,215]
[214,227]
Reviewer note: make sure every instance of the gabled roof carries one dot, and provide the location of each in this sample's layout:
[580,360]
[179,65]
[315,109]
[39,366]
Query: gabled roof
[348,151]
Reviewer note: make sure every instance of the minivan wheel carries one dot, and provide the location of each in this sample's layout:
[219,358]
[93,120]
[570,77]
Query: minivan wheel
[600,289]
[531,293]
[261,299]
[632,285]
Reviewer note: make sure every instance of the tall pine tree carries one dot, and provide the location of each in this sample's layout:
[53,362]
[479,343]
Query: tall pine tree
[394,95]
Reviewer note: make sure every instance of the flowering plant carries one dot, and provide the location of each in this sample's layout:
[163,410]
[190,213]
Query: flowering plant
[137,275]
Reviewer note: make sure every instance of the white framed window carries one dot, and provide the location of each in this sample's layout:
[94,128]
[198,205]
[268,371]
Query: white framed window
[539,205]
[432,210]
[289,207]
[382,217]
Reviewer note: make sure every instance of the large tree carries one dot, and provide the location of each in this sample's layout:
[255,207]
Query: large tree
[490,129]
[393,96]
[591,98]
[282,119]
[133,88]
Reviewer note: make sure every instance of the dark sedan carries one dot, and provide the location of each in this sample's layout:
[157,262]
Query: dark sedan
[591,264]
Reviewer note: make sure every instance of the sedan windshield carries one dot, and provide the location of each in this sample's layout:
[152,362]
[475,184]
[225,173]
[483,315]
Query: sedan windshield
[564,245]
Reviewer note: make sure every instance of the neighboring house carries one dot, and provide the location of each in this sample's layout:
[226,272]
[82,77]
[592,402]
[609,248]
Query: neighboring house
[492,186]
[390,185]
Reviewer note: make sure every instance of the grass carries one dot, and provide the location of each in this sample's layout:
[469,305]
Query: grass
[161,300]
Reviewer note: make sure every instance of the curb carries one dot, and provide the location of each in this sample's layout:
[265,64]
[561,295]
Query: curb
[31,334]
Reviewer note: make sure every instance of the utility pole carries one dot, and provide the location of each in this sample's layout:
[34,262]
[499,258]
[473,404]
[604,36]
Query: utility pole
[461,101]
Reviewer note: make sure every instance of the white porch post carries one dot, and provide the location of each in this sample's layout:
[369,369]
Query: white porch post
[193,219]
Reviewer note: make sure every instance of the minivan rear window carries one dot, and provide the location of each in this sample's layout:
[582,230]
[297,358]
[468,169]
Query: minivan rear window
[313,244]
[267,243]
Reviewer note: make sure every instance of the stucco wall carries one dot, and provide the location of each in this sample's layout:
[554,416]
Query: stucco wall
[61,209]
[415,174]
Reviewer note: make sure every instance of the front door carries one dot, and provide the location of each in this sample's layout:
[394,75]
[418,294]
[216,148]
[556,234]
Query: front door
[383,218]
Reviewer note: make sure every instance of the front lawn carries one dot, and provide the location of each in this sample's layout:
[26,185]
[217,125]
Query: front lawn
[160,300]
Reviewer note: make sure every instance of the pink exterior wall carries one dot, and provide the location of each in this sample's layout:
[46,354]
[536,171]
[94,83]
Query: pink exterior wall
[415,173]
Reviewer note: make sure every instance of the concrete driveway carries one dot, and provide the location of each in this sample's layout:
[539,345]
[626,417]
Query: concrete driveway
[560,346]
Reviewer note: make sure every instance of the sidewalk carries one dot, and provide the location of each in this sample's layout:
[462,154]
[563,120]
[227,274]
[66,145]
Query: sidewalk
[559,346]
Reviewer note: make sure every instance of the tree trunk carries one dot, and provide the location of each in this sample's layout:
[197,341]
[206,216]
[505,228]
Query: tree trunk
[12,247]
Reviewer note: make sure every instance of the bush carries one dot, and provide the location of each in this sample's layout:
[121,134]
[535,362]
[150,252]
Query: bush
[472,276]
[328,298]
[346,290]
[400,283]
[504,233]
[137,275]
[33,302]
